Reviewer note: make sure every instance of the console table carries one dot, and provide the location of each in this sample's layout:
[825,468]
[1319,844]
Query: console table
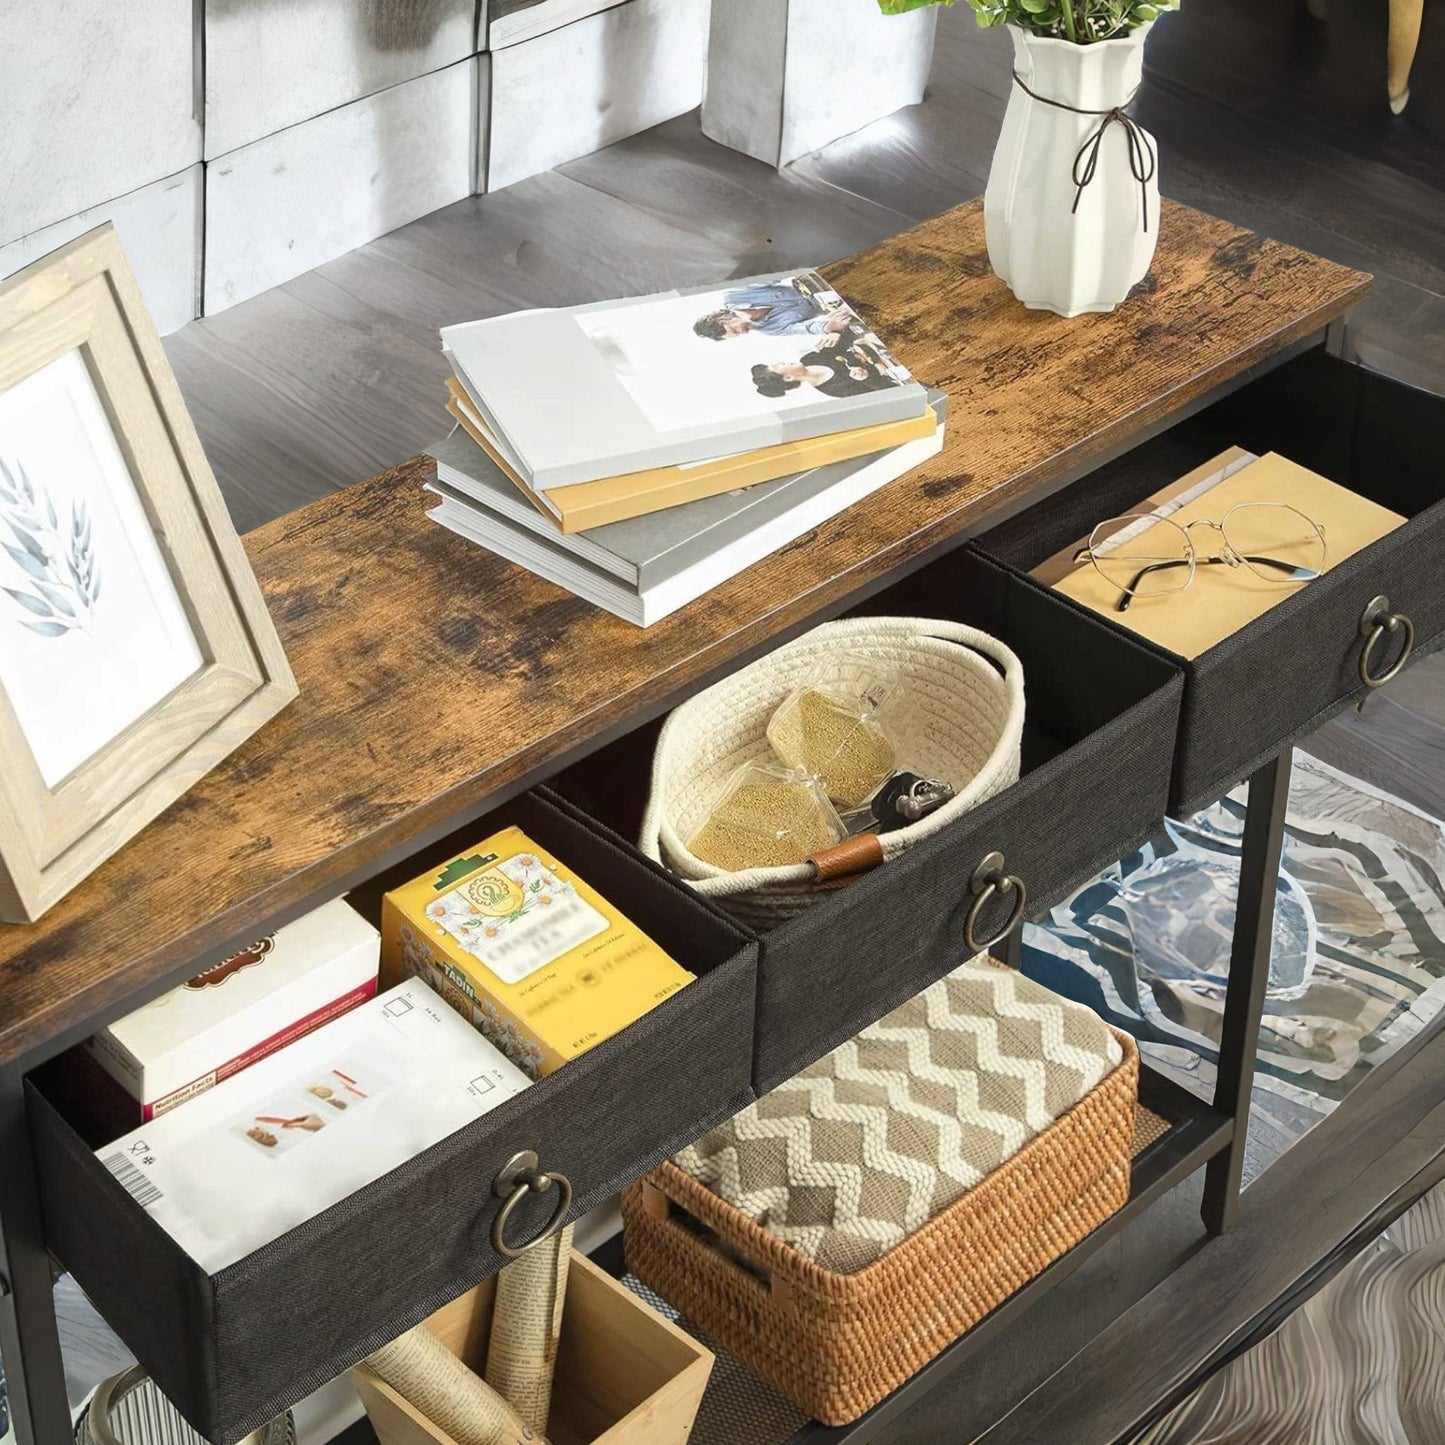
[439,685]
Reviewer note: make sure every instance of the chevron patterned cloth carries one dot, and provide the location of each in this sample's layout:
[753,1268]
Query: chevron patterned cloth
[848,1158]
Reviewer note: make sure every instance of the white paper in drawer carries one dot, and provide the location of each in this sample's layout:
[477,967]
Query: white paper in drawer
[259,1154]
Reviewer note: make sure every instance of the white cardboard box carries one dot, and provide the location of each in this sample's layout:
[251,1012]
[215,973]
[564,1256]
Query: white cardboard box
[299,1131]
[226,1019]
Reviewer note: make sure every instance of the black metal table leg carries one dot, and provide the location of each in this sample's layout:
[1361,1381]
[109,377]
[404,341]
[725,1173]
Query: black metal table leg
[1011,950]
[29,1338]
[1248,980]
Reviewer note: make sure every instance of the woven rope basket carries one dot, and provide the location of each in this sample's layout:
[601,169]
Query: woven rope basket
[836,1344]
[962,722]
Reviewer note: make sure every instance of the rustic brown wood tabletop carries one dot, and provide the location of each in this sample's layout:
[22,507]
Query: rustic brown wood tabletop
[434,675]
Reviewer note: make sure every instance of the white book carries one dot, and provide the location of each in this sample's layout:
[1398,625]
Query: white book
[644,551]
[607,587]
[576,394]
[267,1150]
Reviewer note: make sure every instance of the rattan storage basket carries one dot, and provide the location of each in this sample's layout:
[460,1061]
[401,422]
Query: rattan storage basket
[838,1343]
[963,723]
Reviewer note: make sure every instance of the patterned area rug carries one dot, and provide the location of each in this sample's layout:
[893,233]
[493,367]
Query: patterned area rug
[1358,966]
[1362,1363]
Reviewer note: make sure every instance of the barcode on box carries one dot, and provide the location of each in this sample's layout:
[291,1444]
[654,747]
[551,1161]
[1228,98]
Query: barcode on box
[133,1181]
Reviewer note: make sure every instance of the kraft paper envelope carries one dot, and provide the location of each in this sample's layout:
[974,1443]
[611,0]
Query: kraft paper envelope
[1224,599]
[1166,501]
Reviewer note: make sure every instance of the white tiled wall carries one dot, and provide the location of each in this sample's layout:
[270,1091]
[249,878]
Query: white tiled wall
[247,141]
[160,228]
[578,88]
[255,139]
[788,76]
[273,63]
[98,99]
[305,195]
[513,21]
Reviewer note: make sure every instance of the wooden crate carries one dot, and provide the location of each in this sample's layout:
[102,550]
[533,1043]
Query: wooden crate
[625,1375]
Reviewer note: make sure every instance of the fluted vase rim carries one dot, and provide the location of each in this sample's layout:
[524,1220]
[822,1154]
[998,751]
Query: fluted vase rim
[1139,32]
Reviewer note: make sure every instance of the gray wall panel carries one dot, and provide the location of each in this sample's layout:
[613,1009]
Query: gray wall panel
[273,63]
[786,77]
[98,100]
[306,195]
[511,21]
[160,228]
[848,64]
[747,51]
[574,90]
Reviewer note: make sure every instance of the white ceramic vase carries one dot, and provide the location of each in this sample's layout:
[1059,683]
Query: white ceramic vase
[1055,255]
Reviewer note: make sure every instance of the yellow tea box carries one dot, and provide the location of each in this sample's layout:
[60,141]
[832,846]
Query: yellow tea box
[539,961]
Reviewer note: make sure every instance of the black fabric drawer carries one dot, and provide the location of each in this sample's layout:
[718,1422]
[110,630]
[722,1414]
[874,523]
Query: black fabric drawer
[1101,717]
[234,1348]
[1283,675]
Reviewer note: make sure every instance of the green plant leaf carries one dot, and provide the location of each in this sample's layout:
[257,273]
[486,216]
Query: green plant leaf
[45,629]
[1082,21]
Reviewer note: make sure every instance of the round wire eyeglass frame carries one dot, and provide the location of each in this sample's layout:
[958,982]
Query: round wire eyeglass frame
[1274,570]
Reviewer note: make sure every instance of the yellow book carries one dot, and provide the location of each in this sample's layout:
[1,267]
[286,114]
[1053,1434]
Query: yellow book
[1224,599]
[534,957]
[635,494]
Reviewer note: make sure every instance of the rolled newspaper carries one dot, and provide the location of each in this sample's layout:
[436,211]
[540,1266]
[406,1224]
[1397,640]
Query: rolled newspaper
[426,1374]
[526,1323]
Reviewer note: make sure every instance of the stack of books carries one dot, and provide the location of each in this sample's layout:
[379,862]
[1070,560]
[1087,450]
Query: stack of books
[640,452]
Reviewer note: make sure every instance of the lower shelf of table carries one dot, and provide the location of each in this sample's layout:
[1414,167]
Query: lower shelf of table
[1389,1126]
[1197,1133]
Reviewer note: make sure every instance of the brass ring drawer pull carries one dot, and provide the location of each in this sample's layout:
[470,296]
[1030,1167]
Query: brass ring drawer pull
[1378,622]
[520,1177]
[989,881]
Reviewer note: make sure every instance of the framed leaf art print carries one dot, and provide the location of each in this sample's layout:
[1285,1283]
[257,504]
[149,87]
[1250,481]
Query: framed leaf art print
[135,647]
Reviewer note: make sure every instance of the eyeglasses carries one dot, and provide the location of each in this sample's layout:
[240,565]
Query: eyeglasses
[1146,555]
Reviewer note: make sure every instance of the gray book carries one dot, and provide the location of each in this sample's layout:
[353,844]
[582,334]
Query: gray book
[596,391]
[646,567]
[647,551]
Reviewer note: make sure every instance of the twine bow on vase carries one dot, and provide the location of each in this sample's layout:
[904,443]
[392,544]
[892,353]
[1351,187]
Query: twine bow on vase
[1073,199]
[1143,157]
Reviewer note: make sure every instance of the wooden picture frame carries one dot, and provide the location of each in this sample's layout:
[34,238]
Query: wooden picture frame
[136,650]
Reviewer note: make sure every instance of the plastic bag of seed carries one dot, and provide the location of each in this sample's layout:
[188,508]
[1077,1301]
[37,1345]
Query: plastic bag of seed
[835,728]
[768,816]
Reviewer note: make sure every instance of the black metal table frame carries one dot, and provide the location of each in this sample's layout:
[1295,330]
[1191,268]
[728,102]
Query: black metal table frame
[29,1334]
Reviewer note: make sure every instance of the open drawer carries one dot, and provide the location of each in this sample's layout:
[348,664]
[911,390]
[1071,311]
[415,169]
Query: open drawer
[234,1348]
[1101,713]
[1284,674]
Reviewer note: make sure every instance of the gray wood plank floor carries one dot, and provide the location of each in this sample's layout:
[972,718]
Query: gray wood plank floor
[1264,115]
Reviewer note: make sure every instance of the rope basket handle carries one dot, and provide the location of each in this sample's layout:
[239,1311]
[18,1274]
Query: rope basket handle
[841,634]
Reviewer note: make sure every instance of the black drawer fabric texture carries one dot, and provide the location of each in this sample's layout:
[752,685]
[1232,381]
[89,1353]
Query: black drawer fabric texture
[1102,713]
[235,1348]
[1279,678]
